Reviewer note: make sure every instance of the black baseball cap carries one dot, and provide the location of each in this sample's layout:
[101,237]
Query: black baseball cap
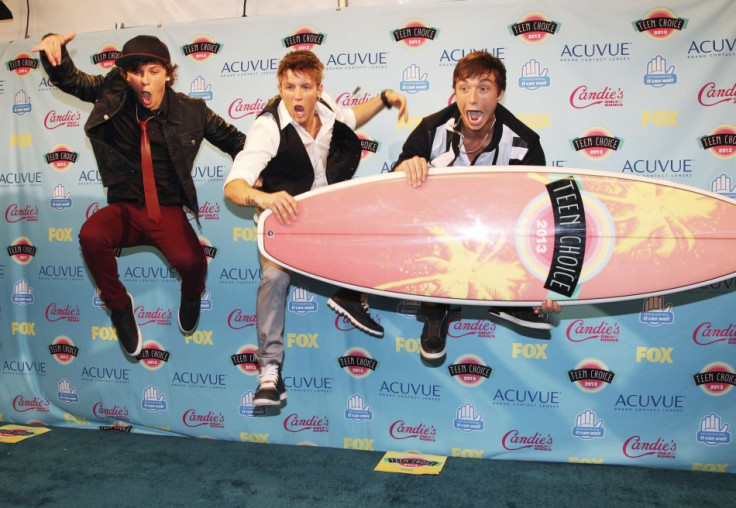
[143,47]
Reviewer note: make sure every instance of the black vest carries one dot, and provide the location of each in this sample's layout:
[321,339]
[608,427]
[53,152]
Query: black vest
[291,170]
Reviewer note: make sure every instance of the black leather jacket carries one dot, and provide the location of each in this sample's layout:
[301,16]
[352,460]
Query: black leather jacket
[188,122]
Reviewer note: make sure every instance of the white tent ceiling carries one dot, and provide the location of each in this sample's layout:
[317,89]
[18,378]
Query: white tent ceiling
[97,15]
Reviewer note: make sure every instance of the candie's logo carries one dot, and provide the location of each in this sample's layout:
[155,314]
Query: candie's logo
[54,119]
[61,157]
[295,423]
[401,430]
[106,56]
[534,28]
[207,211]
[22,64]
[481,328]
[470,370]
[62,312]
[635,448]
[596,143]
[712,94]
[15,213]
[513,440]
[591,375]
[146,316]
[201,48]
[21,404]
[721,141]
[192,418]
[414,34]
[582,97]
[660,24]
[357,362]
[348,100]
[239,108]
[113,413]
[63,350]
[92,209]
[706,334]
[581,331]
[717,378]
[237,320]
[304,38]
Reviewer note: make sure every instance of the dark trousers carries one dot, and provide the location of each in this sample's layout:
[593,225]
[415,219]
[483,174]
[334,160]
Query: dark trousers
[122,225]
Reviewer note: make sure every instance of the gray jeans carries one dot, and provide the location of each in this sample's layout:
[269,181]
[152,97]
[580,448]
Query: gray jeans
[271,312]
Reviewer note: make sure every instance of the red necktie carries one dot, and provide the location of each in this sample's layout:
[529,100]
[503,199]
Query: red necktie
[149,182]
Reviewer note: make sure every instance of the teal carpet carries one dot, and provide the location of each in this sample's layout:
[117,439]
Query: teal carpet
[86,468]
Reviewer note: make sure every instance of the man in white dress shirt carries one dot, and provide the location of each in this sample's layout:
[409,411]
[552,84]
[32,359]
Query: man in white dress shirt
[302,140]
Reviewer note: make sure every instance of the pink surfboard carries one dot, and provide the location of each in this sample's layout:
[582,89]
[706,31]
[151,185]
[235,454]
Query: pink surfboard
[508,235]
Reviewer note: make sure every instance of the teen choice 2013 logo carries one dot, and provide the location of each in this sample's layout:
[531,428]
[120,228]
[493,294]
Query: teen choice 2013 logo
[201,48]
[660,24]
[304,38]
[536,250]
[414,34]
[357,362]
[534,28]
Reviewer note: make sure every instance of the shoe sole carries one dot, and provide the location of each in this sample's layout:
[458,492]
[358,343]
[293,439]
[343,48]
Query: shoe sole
[432,356]
[334,306]
[520,322]
[268,402]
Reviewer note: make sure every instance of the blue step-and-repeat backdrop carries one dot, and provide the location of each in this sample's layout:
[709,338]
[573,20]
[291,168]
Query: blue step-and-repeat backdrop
[625,87]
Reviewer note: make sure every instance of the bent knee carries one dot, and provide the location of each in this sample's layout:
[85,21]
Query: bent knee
[273,276]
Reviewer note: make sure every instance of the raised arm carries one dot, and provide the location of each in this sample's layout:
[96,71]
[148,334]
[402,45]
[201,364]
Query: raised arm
[51,46]
[364,112]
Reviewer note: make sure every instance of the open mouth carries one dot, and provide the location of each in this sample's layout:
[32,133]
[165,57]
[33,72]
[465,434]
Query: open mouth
[474,116]
[146,98]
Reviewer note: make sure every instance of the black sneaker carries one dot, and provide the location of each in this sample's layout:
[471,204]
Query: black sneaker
[188,317]
[434,336]
[271,390]
[522,316]
[354,306]
[129,335]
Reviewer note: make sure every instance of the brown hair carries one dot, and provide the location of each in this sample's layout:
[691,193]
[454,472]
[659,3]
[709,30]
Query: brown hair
[302,62]
[170,68]
[478,64]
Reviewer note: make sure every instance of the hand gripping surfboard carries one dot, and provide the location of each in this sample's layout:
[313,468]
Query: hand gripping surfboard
[508,235]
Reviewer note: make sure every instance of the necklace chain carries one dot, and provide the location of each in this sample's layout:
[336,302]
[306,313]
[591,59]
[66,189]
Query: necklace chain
[136,113]
[482,141]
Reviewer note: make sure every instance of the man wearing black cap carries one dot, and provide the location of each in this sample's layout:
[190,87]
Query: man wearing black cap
[145,137]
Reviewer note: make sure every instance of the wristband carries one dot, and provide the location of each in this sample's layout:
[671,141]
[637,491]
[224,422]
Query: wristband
[385,101]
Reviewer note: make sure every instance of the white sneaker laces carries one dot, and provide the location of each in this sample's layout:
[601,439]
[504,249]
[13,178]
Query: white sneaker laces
[269,375]
[364,303]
